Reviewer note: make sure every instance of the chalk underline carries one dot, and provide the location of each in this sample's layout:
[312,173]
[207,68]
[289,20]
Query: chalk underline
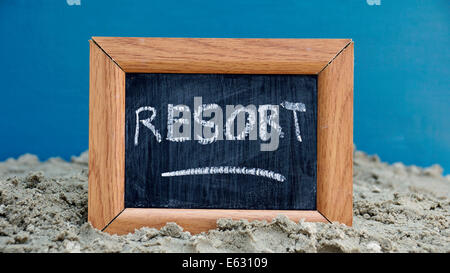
[227,170]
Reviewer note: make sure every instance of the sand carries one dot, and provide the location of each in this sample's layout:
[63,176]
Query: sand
[397,208]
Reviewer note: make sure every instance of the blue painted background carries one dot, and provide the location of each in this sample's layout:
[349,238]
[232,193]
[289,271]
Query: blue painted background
[402,94]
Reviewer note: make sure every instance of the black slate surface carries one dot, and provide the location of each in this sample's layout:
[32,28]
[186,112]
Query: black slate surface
[144,163]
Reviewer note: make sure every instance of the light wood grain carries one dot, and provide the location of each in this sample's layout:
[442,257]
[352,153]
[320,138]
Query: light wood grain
[216,55]
[335,139]
[106,138]
[197,220]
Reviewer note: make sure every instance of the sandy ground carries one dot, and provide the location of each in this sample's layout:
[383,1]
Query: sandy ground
[397,208]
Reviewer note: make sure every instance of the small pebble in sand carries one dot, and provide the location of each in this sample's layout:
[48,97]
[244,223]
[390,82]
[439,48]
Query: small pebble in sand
[375,189]
[374,247]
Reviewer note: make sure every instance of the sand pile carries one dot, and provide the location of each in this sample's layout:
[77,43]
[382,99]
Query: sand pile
[43,208]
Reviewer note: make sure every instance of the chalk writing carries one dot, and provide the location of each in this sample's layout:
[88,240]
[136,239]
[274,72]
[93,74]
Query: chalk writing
[210,131]
[227,170]
[147,122]
[300,107]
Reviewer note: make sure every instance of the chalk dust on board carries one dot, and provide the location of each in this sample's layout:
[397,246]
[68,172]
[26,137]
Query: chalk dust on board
[397,208]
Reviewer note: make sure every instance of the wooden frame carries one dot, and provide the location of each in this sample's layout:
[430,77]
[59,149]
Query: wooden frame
[111,58]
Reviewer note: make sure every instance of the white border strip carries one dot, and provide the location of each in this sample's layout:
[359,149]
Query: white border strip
[227,170]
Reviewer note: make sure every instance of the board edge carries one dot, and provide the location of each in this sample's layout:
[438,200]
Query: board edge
[198,220]
[106,138]
[335,138]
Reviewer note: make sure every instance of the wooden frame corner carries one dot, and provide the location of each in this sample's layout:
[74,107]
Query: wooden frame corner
[112,57]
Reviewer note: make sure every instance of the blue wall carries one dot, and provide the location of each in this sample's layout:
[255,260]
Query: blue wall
[402,94]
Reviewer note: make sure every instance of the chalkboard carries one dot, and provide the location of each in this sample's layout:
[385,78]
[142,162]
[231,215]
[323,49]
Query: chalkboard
[215,166]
